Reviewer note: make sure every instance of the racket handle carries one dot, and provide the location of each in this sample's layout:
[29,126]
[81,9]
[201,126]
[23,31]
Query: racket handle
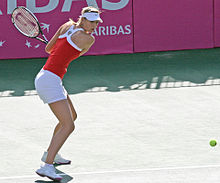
[44,41]
[45,38]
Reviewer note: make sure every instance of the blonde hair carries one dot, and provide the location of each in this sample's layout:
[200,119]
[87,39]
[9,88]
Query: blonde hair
[87,9]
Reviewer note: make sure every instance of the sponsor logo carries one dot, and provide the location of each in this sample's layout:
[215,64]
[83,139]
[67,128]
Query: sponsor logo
[66,6]
[112,30]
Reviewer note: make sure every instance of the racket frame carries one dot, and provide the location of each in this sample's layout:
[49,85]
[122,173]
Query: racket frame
[40,30]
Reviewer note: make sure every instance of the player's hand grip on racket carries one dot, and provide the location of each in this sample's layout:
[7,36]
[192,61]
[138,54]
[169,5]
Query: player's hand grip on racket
[26,23]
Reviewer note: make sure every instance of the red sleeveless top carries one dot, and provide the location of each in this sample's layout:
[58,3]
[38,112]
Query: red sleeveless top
[63,53]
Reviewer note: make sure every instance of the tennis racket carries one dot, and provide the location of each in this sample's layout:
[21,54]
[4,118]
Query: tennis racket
[27,24]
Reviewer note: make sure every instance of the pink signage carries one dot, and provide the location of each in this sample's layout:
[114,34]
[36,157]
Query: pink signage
[217,23]
[114,35]
[173,25]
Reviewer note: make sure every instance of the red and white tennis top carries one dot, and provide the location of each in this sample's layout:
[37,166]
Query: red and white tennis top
[63,53]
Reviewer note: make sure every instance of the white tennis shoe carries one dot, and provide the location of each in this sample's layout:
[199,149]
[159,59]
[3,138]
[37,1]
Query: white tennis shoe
[49,172]
[59,160]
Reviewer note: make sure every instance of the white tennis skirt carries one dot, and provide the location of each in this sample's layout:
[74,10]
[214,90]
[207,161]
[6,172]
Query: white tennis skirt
[49,87]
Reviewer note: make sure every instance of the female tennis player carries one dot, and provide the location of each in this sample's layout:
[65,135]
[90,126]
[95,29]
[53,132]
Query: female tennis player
[72,40]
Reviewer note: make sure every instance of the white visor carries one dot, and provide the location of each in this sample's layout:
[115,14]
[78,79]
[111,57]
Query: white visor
[92,16]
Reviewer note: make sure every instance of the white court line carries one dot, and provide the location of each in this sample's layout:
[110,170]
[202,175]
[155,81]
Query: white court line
[117,171]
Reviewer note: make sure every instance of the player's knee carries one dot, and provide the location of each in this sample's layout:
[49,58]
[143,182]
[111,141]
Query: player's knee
[71,127]
[74,116]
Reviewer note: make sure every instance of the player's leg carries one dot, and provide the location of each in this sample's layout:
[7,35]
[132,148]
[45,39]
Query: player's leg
[56,129]
[73,114]
[58,158]
[62,111]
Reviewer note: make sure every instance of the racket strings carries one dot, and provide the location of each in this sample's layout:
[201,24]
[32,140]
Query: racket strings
[25,22]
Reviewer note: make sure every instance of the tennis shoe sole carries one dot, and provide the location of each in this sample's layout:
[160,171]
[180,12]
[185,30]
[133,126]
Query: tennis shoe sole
[56,180]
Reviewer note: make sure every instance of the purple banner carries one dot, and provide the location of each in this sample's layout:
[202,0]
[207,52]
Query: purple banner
[115,35]
[217,23]
[173,25]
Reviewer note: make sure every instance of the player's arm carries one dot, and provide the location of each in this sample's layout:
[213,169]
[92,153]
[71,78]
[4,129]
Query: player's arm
[88,43]
[86,49]
[83,41]
[52,42]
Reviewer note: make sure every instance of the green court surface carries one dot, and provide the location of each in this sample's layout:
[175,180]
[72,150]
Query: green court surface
[142,118]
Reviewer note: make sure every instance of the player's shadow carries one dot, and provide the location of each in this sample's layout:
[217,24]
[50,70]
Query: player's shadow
[66,178]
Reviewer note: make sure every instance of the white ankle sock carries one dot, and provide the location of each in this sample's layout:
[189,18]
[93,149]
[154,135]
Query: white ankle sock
[48,165]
